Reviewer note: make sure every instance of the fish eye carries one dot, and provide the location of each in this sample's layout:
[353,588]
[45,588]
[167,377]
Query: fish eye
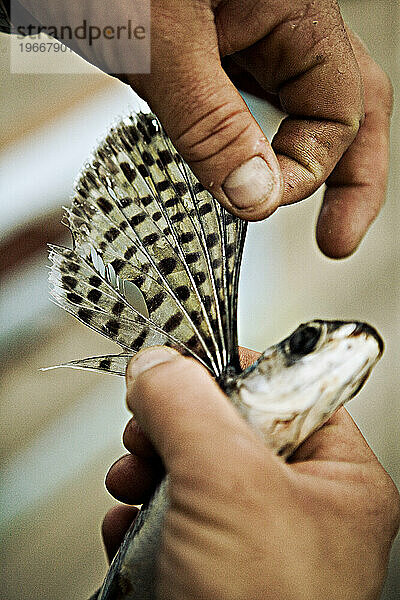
[304,339]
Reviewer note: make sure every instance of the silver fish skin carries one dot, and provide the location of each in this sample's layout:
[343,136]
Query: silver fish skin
[289,392]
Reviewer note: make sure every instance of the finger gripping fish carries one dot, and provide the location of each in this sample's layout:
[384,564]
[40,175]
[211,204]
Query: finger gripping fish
[156,260]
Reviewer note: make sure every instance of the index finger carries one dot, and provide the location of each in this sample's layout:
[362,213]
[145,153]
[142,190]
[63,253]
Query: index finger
[247,356]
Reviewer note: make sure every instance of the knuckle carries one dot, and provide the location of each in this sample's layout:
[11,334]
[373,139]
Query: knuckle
[391,507]
[379,91]
[315,28]
[385,91]
[319,146]
[213,132]
[383,507]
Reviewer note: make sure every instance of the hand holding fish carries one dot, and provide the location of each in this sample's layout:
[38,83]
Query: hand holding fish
[311,528]
[156,262]
[242,523]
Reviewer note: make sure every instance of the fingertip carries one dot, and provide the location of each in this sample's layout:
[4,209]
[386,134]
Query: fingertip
[148,358]
[340,226]
[114,526]
[131,479]
[139,380]
[136,441]
[253,190]
[157,390]
[334,245]
[255,213]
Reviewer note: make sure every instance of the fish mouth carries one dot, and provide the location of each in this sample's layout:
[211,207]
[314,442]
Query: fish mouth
[364,328]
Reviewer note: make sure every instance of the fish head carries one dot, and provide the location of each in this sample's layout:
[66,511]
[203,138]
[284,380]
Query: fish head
[296,385]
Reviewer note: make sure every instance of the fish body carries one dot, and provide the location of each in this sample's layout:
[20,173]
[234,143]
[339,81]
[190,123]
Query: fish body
[156,260]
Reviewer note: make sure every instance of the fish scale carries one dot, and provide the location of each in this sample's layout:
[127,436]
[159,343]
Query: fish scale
[156,260]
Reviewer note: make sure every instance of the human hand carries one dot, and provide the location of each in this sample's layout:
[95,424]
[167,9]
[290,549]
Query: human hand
[297,53]
[242,523]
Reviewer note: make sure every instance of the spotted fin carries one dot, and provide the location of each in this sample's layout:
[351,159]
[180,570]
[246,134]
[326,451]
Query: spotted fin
[143,226]
[90,291]
[115,364]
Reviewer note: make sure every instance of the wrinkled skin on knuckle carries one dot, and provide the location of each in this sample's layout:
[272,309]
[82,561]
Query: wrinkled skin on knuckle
[317,147]
[325,91]
[323,64]
[304,40]
[387,91]
[240,25]
[213,132]
[384,506]
[311,32]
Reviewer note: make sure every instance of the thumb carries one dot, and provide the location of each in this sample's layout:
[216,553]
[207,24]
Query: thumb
[209,122]
[188,418]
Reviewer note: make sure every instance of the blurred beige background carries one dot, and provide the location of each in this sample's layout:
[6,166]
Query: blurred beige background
[61,429]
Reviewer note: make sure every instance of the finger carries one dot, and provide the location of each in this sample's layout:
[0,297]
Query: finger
[357,187]
[132,479]
[188,417]
[305,56]
[247,357]
[136,441]
[115,524]
[205,116]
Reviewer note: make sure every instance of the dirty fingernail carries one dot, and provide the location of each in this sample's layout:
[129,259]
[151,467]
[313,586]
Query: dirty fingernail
[148,358]
[250,184]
